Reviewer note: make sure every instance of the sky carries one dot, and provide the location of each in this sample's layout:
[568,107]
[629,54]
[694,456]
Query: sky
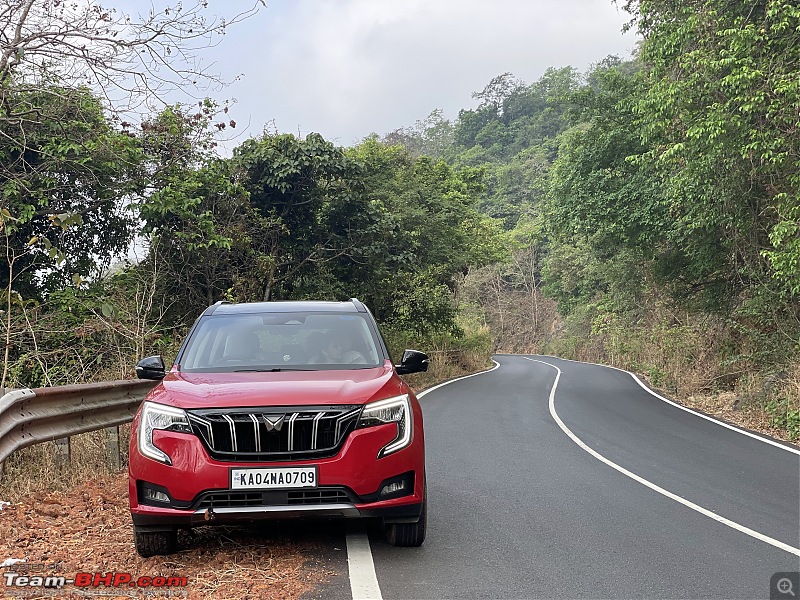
[348,68]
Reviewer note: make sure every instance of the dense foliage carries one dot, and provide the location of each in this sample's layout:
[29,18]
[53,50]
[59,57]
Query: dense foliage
[283,218]
[664,197]
[645,213]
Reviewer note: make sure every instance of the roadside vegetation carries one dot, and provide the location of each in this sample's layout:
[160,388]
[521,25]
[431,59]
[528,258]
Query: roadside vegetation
[644,214]
[651,208]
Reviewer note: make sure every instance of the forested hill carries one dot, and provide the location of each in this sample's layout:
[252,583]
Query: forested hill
[645,213]
[656,200]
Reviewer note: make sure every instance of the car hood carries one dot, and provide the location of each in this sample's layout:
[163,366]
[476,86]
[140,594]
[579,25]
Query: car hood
[290,388]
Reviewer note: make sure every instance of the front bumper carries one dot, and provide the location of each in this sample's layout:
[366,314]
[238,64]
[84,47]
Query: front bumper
[169,518]
[355,469]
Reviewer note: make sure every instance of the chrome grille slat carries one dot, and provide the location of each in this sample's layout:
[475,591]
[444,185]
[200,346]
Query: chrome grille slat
[292,419]
[207,424]
[234,445]
[315,430]
[274,433]
[256,435]
[340,421]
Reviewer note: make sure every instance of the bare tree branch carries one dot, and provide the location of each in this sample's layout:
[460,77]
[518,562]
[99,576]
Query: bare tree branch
[135,61]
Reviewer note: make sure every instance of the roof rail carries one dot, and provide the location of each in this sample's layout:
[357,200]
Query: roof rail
[210,310]
[359,305]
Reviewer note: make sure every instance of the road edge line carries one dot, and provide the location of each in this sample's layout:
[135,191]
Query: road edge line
[449,381]
[361,567]
[688,503]
[360,564]
[755,436]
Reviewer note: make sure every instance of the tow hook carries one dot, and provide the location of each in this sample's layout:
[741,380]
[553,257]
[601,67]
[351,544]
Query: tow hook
[209,514]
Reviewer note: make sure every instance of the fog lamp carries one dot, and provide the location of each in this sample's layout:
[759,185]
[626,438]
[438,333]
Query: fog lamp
[393,487]
[155,495]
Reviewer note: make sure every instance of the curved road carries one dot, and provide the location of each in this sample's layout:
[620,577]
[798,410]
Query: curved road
[518,509]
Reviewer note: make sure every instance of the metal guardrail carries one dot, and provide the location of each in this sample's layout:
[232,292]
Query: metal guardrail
[33,416]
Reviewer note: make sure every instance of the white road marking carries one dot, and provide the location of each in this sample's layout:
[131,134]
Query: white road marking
[436,387]
[651,485]
[689,410]
[713,420]
[363,581]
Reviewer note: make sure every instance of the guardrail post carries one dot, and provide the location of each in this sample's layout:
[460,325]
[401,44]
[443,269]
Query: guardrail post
[62,452]
[2,463]
[112,448]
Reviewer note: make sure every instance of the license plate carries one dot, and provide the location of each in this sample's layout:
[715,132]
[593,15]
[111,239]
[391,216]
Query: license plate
[283,478]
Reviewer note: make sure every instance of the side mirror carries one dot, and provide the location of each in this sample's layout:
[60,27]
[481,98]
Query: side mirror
[413,361]
[151,367]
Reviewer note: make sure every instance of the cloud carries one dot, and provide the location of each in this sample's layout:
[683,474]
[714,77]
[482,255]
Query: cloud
[346,68]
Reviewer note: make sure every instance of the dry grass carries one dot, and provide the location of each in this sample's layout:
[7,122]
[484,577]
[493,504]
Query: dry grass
[726,406]
[36,469]
[87,529]
[448,365]
[746,403]
[699,361]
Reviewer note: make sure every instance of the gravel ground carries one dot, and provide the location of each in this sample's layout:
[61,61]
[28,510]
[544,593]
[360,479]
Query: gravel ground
[87,529]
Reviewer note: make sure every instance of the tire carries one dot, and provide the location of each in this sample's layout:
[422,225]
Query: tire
[153,543]
[409,534]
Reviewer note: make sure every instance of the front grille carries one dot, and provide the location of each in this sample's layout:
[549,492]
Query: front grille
[287,433]
[230,499]
[320,496]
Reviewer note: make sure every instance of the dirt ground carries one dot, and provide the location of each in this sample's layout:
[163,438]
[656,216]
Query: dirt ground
[87,529]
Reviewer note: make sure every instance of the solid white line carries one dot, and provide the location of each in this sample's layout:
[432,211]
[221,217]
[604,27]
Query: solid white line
[363,580]
[689,410]
[436,387]
[651,485]
[713,420]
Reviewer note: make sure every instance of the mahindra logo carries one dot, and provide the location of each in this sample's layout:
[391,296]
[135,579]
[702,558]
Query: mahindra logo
[273,422]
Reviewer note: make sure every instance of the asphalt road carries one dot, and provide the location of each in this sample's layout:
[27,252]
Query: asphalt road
[519,510]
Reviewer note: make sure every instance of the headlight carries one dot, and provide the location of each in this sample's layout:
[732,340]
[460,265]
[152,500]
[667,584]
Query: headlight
[158,416]
[392,410]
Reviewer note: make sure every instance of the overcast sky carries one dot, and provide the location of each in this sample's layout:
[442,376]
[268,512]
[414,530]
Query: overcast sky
[346,68]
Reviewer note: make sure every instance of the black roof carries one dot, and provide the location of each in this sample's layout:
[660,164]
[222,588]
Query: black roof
[288,306]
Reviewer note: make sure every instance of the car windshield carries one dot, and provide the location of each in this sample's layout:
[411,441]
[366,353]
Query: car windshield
[280,341]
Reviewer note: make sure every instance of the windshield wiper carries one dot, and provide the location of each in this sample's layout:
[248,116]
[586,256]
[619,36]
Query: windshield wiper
[271,370]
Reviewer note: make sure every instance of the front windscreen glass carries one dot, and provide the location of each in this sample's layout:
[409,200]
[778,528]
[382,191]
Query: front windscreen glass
[281,341]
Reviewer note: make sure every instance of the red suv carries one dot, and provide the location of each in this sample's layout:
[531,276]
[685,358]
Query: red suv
[275,410]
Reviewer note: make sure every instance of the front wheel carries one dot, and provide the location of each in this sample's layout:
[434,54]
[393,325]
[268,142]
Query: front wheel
[409,534]
[152,543]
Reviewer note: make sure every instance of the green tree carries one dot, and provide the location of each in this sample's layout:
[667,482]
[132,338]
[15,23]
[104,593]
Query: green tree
[722,91]
[596,187]
[71,76]
[64,183]
[432,136]
[427,231]
[312,193]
